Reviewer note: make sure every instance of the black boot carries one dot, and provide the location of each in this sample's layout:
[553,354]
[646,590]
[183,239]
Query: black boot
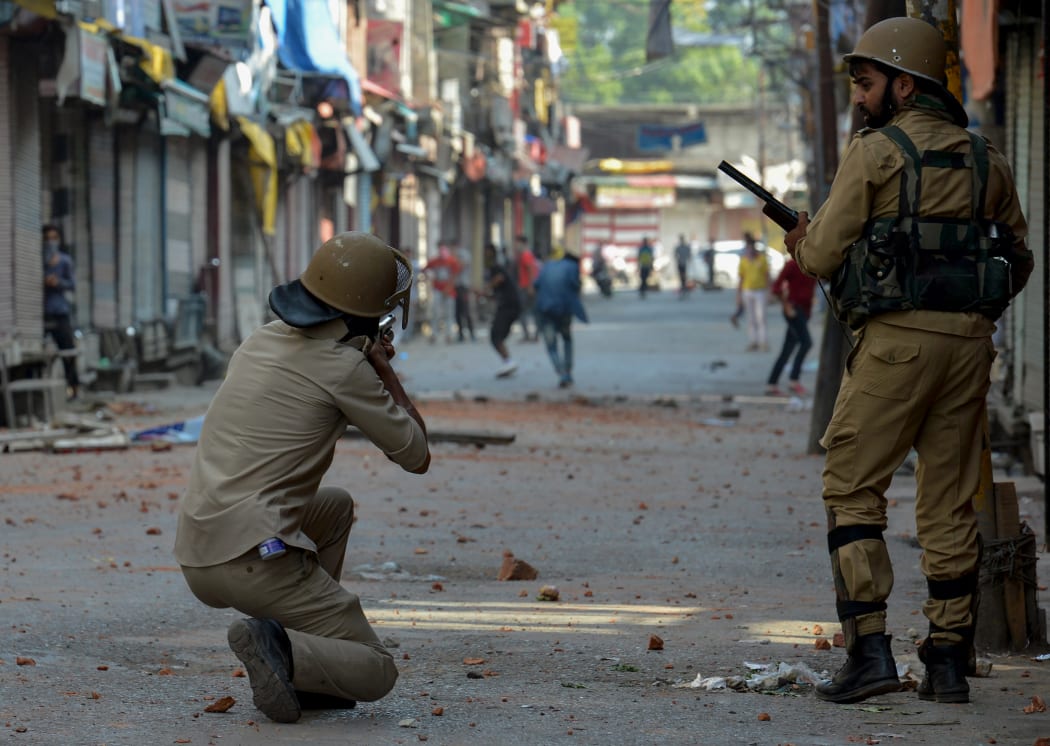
[263,647]
[869,671]
[315,701]
[945,677]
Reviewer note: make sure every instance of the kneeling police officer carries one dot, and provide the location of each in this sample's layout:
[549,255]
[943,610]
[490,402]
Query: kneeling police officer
[922,237]
[256,531]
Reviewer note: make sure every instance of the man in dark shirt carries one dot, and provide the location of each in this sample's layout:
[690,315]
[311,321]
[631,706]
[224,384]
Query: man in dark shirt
[59,279]
[504,291]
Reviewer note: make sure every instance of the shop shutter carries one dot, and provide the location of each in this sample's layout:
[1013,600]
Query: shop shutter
[7,297]
[1028,150]
[179,205]
[624,228]
[148,233]
[25,164]
[125,147]
[102,196]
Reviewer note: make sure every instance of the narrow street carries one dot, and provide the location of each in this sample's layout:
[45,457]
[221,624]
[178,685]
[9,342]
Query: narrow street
[661,346]
[663,496]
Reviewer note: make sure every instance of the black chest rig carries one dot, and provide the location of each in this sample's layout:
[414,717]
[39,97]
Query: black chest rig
[909,262]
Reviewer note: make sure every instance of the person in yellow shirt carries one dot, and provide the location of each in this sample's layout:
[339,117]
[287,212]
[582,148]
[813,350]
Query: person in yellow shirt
[751,292]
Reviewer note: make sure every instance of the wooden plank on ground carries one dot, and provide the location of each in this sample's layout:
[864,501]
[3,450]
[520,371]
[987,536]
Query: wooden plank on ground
[466,437]
[1008,518]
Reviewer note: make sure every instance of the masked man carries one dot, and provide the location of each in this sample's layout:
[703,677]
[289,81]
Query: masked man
[922,237]
[257,531]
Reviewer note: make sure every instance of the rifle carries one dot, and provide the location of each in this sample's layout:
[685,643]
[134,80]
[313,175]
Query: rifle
[774,209]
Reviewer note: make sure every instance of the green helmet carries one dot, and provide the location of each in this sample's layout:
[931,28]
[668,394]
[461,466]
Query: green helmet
[351,273]
[912,46]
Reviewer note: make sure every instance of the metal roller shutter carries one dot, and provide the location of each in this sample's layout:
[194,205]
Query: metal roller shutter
[1028,151]
[7,296]
[179,228]
[148,227]
[102,215]
[25,165]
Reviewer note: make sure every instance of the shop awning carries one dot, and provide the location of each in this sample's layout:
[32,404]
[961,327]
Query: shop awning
[307,40]
[156,61]
[365,156]
[371,86]
[44,8]
[185,110]
[675,181]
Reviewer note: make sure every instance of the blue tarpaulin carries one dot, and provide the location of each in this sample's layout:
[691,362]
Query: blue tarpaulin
[665,137]
[307,40]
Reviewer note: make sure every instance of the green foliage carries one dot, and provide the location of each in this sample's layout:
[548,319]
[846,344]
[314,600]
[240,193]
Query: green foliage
[608,66]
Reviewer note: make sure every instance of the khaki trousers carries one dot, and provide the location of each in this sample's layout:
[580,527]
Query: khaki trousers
[334,649]
[907,387]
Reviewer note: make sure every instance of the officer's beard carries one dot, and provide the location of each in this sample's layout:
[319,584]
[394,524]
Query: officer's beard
[887,109]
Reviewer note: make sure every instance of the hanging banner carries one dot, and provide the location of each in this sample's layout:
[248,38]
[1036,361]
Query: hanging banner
[225,22]
[93,50]
[635,198]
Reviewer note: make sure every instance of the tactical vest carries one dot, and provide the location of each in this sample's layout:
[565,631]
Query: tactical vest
[910,262]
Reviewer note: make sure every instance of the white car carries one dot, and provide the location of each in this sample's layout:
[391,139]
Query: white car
[727,261]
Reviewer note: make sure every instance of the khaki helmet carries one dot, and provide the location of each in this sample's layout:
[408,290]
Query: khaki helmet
[912,46]
[351,273]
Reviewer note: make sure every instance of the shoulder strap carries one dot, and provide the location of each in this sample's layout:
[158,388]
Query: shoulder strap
[911,176]
[980,174]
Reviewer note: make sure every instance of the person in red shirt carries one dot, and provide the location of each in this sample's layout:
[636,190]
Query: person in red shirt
[527,270]
[795,289]
[442,271]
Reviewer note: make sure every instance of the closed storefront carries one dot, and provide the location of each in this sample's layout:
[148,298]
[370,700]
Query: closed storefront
[622,228]
[147,201]
[7,227]
[102,218]
[20,130]
[1025,147]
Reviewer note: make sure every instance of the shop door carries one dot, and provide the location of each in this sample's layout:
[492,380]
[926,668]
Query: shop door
[148,228]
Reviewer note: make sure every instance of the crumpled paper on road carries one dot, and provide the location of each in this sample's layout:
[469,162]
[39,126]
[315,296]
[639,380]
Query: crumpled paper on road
[763,677]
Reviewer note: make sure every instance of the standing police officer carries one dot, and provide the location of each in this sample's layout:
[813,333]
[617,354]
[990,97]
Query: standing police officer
[256,531]
[923,239]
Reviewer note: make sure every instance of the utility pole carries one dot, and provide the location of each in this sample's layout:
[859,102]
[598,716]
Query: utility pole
[833,346]
[941,15]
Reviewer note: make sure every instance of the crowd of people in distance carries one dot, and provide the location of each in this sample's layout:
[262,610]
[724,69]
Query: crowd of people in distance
[544,296]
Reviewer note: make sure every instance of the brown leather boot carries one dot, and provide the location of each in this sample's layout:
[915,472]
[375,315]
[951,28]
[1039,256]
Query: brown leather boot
[869,671]
[945,677]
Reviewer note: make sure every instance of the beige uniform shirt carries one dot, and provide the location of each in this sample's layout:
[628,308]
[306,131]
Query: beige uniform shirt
[867,185]
[270,435]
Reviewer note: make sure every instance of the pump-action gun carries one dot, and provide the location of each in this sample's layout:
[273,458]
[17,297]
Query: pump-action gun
[774,209]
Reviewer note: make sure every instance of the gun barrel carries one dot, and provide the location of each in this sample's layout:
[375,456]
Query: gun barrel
[732,172]
[776,210]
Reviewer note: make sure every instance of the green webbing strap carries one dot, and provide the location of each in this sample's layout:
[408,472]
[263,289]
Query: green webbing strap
[944,159]
[980,174]
[910,190]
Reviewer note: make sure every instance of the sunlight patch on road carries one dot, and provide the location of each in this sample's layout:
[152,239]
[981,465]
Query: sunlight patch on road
[525,616]
[790,631]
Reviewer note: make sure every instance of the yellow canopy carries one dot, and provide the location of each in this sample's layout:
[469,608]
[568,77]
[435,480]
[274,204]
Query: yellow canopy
[263,159]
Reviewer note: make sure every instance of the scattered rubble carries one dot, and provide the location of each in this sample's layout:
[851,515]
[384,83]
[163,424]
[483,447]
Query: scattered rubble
[548,593]
[516,569]
[762,677]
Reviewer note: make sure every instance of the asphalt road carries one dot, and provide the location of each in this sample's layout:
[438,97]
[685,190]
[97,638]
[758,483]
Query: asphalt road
[650,511]
[635,348]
